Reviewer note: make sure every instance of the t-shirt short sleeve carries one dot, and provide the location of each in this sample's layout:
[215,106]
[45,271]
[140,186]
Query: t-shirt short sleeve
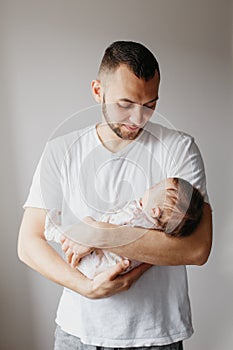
[187,163]
[46,190]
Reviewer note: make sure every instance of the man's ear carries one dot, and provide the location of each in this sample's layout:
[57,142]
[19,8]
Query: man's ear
[96,90]
[156,212]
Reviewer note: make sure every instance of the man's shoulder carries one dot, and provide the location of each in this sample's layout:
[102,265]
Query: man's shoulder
[67,140]
[169,134]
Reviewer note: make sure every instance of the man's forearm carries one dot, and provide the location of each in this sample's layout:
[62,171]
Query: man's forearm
[154,247]
[40,256]
[158,248]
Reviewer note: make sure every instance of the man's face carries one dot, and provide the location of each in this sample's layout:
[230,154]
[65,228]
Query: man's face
[128,102]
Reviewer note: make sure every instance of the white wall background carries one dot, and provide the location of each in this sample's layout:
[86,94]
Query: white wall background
[50,53]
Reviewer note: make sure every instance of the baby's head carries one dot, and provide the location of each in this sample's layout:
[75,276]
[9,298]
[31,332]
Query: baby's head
[175,205]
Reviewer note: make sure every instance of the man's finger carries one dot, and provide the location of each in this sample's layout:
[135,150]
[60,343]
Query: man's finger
[69,255]
[75,260]
[139,270]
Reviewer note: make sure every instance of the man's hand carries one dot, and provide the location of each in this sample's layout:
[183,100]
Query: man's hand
[74,252]
[109,282]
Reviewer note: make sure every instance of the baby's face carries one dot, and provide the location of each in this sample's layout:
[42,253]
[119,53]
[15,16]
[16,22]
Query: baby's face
[154,198]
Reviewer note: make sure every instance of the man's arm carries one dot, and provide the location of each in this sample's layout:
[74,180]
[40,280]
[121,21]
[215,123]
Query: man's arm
[153,247]
[157,248]
[34,251]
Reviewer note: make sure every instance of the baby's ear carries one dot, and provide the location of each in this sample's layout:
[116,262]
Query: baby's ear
[156,212]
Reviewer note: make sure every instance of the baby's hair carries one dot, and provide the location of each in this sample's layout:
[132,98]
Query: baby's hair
[182,209]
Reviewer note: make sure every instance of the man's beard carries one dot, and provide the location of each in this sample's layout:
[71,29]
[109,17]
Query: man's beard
[118,128]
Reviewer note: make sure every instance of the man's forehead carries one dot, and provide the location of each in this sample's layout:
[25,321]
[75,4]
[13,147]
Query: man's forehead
[130,88]
[123,73]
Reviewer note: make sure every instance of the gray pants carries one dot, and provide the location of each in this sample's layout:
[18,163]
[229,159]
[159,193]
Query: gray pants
[65,341]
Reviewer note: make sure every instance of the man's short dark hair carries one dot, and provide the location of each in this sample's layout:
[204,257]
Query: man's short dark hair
[136,56]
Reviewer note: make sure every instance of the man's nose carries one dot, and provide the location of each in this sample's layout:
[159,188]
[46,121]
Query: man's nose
[136,116]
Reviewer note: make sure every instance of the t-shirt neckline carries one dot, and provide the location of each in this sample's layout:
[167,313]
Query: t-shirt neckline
[121,151]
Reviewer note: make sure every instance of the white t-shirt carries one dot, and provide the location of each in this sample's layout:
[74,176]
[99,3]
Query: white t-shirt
[80,177]
[131,214]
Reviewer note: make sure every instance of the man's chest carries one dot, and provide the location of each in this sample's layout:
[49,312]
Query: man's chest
[101,181]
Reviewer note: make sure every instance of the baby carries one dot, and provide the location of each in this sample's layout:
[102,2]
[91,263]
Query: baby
[173,206]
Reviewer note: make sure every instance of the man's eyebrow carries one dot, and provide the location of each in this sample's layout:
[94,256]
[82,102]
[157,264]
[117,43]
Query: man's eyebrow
[127,100]
[154,100]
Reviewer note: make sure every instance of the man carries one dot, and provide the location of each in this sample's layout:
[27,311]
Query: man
[89,171]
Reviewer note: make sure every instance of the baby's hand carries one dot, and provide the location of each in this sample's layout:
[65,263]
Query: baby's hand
[74,252]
